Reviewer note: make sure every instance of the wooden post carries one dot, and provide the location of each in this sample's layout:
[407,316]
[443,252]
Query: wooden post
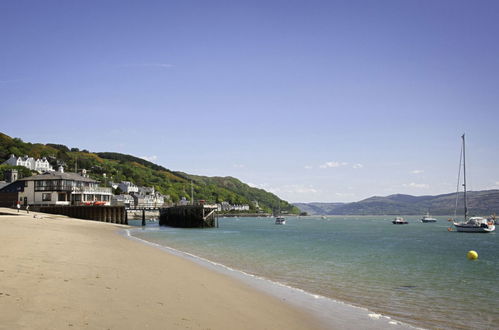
[143,217]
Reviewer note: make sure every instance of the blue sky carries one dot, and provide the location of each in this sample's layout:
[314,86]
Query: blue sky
[313,100]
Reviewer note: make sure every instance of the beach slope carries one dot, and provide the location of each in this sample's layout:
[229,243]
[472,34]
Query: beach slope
[63,273]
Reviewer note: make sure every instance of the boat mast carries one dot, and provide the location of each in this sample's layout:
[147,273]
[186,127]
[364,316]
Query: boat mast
[464,180]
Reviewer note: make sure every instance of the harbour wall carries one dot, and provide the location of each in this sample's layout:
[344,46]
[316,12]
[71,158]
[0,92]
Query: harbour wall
[189,216]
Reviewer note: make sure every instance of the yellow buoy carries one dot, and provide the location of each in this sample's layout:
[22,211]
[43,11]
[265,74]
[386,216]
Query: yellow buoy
[472,255]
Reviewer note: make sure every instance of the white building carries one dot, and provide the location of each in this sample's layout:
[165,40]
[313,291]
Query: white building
[148,201]
[123,200]
[58,188]
[40,165]
[226,206]
[127,187]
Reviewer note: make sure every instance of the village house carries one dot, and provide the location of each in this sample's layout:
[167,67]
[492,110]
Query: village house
[128,187]
[58,188]
[226,206]
[123,200]
[39,165]
[148,201]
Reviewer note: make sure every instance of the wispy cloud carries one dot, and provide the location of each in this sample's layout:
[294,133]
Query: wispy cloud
[238,166]
[309,167]
[416,185]
[150,158]
[417,171]
[333,164]
[357,166]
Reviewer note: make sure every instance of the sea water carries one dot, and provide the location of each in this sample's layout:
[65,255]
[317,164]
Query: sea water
[416,273]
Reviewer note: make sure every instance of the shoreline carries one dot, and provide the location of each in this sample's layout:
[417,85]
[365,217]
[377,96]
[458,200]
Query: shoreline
[57,272]
[335,314]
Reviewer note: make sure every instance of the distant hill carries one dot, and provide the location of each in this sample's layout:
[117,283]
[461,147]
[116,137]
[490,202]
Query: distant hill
[318,208]
[112,166]
[484,202]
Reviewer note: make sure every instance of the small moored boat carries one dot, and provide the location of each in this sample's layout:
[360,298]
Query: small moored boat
[280,220]
[399,221]
[427,218]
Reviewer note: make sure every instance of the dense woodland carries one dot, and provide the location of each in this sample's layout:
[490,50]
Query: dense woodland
[110,166]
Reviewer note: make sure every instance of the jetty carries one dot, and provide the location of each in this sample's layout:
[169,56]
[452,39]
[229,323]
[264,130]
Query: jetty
[189,216]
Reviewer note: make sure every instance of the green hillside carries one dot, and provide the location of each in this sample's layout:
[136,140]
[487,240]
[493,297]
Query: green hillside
[110,166]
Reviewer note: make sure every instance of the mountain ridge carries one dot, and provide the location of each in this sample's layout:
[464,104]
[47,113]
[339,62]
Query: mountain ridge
[484,202]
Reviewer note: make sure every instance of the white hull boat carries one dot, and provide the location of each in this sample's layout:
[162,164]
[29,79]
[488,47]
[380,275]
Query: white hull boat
[280,221]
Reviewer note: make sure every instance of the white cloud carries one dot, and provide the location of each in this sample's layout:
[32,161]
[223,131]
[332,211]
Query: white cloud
[357,166]
[333,164]
[417,185]
[150,158]
[308,167]
[238,166]
[417,171]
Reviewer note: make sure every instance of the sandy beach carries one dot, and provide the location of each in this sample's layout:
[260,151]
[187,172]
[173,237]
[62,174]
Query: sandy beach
[62,273]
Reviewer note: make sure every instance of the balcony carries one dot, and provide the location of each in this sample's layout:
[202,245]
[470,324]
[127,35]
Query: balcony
[71,188]
[93,190]
[58,187]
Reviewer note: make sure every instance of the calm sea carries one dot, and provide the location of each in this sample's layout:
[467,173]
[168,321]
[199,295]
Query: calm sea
[416,273]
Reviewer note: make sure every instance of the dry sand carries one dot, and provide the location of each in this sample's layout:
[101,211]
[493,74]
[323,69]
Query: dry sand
[62,273]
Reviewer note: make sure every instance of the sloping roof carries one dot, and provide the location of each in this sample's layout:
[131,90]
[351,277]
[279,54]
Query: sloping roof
[15,186]
[58,176]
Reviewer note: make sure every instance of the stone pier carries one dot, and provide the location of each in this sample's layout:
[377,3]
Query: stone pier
[189,216]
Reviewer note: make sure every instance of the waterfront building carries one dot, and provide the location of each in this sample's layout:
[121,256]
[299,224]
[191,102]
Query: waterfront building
[39,165]
[226,206]
[59,188]
[148,201]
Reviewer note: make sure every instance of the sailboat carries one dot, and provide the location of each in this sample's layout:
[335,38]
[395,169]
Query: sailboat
[472,224]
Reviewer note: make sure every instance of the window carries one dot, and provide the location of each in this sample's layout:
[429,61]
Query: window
[61,197]
[46,197]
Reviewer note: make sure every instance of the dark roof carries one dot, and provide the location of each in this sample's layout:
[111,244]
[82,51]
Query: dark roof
[16,186]
[58,176]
